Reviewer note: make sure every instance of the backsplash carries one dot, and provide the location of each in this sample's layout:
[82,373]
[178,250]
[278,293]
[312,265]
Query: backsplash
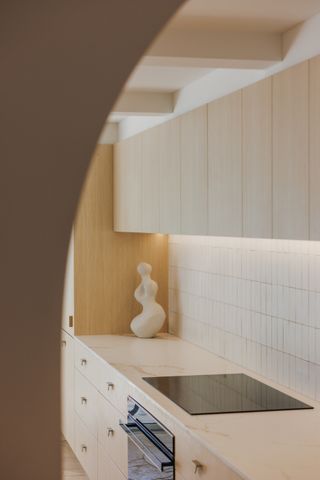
[254,302]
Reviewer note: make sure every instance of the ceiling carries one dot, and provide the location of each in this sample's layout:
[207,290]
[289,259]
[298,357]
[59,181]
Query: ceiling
[163,79]
[198,23]
[268,15]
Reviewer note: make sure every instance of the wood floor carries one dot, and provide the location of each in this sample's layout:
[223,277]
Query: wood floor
[71,468]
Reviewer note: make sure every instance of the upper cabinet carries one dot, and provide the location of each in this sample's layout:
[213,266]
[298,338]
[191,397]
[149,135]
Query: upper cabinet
[225,166]
[290,153]
[127,184]
[194,171]
[244,165]
[314,122]
[169,176]
[257,159]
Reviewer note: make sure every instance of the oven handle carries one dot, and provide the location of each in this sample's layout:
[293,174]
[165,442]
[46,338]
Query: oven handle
[128,428]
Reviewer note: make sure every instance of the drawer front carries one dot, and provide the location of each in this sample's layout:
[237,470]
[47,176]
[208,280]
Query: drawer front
[85,401]
[194,461]
[107,470]
[111,436]
[86,449]
[114,387]
[87,363]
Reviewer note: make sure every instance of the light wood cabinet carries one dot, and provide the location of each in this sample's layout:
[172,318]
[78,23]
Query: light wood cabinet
[170,187]
[194,171]
[86,448]
[67,387]
[314,125]
[257,159]
[290,153]
[244,165]
[107,470]
[150,177]
[225,166]
[85,402]
[128,185]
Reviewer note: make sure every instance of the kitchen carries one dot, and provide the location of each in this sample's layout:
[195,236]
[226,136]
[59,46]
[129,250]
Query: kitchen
[219,192]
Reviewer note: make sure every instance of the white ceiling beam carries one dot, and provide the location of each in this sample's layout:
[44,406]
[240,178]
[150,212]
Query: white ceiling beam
[189,47]
[144,103]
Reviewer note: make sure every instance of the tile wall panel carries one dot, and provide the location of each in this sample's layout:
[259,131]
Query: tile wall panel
[255,302]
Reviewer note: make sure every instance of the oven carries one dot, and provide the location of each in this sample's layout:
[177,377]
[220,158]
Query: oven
[150,445]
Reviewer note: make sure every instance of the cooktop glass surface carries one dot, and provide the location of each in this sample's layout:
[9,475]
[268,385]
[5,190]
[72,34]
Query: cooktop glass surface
[226,393]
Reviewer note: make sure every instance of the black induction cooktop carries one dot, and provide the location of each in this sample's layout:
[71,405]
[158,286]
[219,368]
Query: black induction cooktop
[225,393]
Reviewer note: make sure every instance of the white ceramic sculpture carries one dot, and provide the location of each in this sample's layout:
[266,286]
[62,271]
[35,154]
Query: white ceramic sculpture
[148,323]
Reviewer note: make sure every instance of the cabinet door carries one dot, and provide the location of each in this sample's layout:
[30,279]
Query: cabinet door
[225,166]
[86,448]
[290,153]
[151,158]
[107,470]
[67,387]
[314,148]
[68,292]
[127,185]
[170,187]
[194,191]
[257,159]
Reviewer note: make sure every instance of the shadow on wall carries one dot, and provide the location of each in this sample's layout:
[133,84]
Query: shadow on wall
[56,91]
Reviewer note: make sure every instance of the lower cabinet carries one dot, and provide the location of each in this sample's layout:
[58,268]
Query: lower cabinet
[107,470]
[86,448]
[67,387]
[90,422]
[110,435]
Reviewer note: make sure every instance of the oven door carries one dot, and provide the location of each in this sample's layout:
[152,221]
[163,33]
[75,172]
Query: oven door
[150,446]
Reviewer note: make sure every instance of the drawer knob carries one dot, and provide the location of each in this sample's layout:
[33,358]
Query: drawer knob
[110,386]
[83,362]
[110,432]
[197,466]
[63,343]
[84,448]
[83,401]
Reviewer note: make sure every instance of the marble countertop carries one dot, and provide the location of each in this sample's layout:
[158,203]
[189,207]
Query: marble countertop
[282,445]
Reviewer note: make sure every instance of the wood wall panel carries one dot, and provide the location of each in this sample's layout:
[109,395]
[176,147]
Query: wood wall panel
[225,166]
[106,261]
[314,166]
[257,159]
[291,153]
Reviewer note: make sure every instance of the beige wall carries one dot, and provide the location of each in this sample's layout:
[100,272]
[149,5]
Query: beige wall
[56,90]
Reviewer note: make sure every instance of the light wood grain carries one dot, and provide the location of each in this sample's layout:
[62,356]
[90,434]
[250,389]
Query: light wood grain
[150,174]
[170,184]
[106,261]
[290,153]
[128,185]
[314,125]
[225,166]
[257,159]
[194,182]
